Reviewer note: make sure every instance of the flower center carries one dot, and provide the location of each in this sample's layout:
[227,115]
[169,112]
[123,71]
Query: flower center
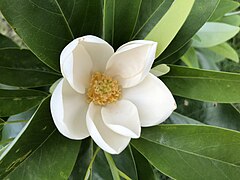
[103,89]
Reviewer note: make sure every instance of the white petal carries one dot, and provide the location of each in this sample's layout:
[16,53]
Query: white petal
[98,49]
[104,137]
[68,110]
[122,117]
[153,100]
[132,62]
[76,67]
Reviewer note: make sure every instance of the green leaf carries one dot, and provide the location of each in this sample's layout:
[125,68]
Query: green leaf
[15,124]
[125,163]
[5,42]
[191,151]
[144,169]
[167,28]
[177,118]
[16,66]
[83,16]
[203,85]
[91,163]
[151,11]
[32,136]
[216,114]
[16,101]
[224,7]
[173,58]
[191,25]
[160,70]
[120,17]
[190,58]
[208,59]
[214,33]
[113,168]
[231,19]
[83,160]
[54,159]
[226,51]
[41,24]
[100,168]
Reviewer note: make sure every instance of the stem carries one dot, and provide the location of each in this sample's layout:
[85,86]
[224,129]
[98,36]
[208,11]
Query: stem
[123,175]
[90,164]
[112,165]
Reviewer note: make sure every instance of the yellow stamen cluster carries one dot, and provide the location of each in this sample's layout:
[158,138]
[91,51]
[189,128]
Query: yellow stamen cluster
[103,89]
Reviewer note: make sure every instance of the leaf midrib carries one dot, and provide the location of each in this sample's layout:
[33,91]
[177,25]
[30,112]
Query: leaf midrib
[63,15]
[192,153]
[34,70]
[133,36]
[200,78]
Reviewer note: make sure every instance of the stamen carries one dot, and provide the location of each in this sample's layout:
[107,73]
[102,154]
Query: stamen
[103,89]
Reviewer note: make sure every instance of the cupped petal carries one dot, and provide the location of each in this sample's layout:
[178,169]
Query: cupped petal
[104,137]
[122,117]
[153,100]
[76,67]
[99,51]
[68,109]
[132,62]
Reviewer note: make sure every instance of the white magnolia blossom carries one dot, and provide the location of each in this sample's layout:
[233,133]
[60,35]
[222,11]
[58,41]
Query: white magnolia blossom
[109,96]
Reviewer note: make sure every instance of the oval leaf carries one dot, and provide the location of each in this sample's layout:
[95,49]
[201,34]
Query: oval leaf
[16,66]
[48,162]
[167,28]
[16,101]
[191,151]
[42,25]
[214,33]
[191,25]
[119,21]
[203,85]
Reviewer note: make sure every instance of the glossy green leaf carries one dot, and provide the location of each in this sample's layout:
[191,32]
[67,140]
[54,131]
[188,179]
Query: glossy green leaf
[5,42]
[224,7]
[203,85]
[191,151]
[83,16]
[125,162]
[83,160]
[214,33]
[91,163]
[177,118]
[216,114]
[173,58]
[144,169]
[191,26]
[15,124]
[16,101]
[190,58]
[100,169]
[120,17]
[169,25]
[17,66]
[226,51]
[39,127]
[151,11]
[42,25]
[52,160]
